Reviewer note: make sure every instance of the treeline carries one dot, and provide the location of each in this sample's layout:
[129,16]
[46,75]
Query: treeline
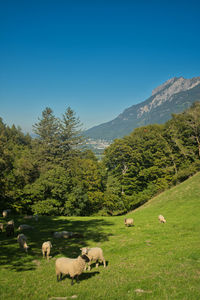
[55,174]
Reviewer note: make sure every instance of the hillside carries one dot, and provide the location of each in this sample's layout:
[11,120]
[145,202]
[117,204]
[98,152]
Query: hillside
[147,261]
[173,96]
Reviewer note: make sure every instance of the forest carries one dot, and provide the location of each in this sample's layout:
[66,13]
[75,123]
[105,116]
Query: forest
[53,173]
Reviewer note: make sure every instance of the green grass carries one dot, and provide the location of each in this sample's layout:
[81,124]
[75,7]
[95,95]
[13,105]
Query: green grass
[147,261]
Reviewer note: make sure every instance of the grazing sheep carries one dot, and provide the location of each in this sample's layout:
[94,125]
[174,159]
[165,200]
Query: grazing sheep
[161,219]
[94,254]
[25,227]
[9,229]
[46,248]
[22,240]
[1,227]
[63,234]
[128,222]
[72,266]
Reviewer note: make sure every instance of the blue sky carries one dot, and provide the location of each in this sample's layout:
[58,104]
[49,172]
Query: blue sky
[98,57]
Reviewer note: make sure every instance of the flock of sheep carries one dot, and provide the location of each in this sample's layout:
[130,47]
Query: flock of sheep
[64,265]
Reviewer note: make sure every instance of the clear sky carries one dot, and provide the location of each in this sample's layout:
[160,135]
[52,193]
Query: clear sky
[98,57]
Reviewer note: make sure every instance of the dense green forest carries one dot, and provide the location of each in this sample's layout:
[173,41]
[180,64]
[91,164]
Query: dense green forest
[54,174]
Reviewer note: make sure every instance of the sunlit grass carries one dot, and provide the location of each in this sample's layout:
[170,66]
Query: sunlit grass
[147,261]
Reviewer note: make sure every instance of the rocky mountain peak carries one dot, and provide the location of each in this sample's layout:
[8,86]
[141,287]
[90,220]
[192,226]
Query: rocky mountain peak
[173,96]
[167,90]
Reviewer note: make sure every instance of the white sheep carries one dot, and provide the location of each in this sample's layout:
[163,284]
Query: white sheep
[46,248]
[94,254]
[25,227]
[72,266]
[22,240]
[161,219]
[128,222]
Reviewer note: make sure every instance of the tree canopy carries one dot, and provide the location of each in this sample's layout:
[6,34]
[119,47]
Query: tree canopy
[54,173]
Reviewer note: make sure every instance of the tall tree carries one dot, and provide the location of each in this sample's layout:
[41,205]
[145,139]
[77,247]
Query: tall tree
[70,131]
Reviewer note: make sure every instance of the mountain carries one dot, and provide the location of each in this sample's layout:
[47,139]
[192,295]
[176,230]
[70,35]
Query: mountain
[173,96]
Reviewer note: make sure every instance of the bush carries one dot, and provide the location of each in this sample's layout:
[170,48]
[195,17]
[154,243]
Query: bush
[47,207]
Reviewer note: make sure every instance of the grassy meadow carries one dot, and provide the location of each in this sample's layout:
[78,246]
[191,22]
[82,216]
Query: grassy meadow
[147,261]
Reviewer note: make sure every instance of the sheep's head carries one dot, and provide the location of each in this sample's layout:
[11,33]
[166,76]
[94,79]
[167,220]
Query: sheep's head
[84,250]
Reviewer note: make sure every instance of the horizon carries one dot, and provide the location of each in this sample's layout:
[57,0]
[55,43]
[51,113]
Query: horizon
[98,58]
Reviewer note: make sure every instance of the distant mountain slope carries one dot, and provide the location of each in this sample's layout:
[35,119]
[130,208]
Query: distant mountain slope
[174,96]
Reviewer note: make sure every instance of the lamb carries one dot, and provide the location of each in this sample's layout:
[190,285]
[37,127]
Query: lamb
[161,219]
[25,227]
[10,229]
[1,227]
[72,266]
[128,222]
[94,254]
[22,240]
[46,248]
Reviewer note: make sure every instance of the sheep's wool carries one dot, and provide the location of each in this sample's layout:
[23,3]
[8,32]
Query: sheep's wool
[71,266]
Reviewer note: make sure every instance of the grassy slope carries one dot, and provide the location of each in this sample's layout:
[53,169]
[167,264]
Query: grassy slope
[162,260]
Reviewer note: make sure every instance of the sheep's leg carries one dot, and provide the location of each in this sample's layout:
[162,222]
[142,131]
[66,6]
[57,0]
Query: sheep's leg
[97,264]
[47,253]
[104,263]
[77,279]
[72,282]
[89,268]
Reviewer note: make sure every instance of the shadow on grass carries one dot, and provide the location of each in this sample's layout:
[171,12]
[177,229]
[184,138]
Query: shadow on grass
[83,276]
[88,231]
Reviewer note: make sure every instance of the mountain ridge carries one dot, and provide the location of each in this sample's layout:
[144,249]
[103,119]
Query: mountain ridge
[173,96]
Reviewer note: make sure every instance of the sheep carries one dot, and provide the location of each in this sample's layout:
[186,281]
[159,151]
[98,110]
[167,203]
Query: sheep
[63,234]
[161,219]
[25,227]
[46,248]
[9,229]
[22,240]
[94,254]
[72,266]
[1,227]
[128,222]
